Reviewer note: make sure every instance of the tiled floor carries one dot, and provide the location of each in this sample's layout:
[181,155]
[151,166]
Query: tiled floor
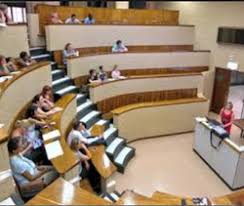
[169,164]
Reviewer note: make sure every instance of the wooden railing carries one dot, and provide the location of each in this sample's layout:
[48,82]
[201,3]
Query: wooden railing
[109,16]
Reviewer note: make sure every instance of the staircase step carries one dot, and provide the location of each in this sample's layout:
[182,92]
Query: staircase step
[34,51]
[123,158]
[91,118]
[41,57]
[115,196]
[85,108]
[54,65]
[104,123]
[69,89]
[80,98]
[57,74]
[61,83]
[110,134]
[115,147]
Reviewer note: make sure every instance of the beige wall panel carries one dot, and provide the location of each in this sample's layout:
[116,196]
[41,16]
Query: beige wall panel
[7,184]
[68,115]
[33,28]
[19,93]
[127,86]
[13,40]
[4,157]
[103,35]
[161,120]
[137,61]
[207,17]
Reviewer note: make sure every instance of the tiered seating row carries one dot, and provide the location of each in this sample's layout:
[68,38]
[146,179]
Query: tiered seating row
[109,16]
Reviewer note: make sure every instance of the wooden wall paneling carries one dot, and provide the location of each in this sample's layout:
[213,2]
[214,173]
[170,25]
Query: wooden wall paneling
[108,15]
[109,104]
[221,88]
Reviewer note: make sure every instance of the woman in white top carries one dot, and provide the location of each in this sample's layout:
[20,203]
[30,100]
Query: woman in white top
[69,51]
[116,73]
[30,178]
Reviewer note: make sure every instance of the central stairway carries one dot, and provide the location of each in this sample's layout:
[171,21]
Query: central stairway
[116,147]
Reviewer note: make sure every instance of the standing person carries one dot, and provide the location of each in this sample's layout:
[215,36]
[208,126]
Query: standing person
[4,17]
[54,19]
[30,178]
[25,60]
[89,19]
[69,51]
[102,75]
[227,116]
[72,20]
[119,47]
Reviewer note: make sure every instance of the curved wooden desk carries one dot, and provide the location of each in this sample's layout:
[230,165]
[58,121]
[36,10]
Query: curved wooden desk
[17,92]
[138,60]
[164,117]
[13,40]
[104,36]
[62,192]
[113,94]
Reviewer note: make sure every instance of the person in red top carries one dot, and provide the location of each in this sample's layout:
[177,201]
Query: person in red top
[227,116]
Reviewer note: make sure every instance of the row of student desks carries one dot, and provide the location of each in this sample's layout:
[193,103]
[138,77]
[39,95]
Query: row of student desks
[62,192]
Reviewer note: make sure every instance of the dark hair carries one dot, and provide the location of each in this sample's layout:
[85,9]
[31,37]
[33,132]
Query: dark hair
[31,111]
[91,71]
[23,54]
[13,144]
[101,67]
[66,46]
[118,42]
[73,15]
[8,59]
[1,59]
[45,89]
[84,124]
[90,16]
[36,98]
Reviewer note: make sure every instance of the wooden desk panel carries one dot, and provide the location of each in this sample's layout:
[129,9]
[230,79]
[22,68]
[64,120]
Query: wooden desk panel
[104,36]
[3,135]
[12,97]
[62,192]
[101,161]
[132,61]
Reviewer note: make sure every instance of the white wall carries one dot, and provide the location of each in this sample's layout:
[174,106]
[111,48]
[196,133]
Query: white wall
[207,17]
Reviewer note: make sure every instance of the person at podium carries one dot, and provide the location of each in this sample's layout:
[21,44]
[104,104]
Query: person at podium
[227,116]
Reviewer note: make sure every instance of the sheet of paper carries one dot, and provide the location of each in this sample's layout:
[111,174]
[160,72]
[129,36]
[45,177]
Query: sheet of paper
[7,201]
[51,135]
[54,149]
[1,125]
[2,79]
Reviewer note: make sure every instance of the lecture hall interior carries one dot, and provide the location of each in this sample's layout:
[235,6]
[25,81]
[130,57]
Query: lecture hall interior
[121,102]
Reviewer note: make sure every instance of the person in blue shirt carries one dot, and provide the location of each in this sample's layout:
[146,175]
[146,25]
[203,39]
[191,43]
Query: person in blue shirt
[89,19]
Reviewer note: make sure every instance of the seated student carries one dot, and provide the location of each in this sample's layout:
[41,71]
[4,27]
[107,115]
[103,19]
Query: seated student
[46,98]
[24,60]
[227,116]
[79,131]
[69,51]
[102,75]
[31,140]
[87,168]
[11,64]
[30,178]
[72,20]
[119,47]
[54,19]
[3,66]
[115,74]
[4,17]
[89,19]
[93,76]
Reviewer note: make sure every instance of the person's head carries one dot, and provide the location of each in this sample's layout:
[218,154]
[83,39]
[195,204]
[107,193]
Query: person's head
[229,106]
[2,60]
[24,55]
[73,16]
[75,144]
[77,125]
[10,59]
[90,16]
[54,15]
[118,43]
[68,47]
[92,72]
[4,8]
[15,145]
[22,125]
[115,68]
[47,91]
[31,112]
[36,99]
[100,68]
